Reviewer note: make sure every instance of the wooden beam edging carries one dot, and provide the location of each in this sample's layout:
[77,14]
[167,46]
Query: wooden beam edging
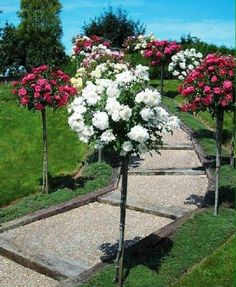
[62,207]
[151,240]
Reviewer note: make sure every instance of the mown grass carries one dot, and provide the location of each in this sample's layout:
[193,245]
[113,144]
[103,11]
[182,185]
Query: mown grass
[164,264]
[21,148]
[95,175]
[217,270]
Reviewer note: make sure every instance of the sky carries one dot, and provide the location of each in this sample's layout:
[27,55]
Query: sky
[210,20]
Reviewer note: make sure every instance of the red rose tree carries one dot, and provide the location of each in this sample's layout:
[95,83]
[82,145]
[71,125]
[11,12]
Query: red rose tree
[210,87]
[40,89]
[160,53]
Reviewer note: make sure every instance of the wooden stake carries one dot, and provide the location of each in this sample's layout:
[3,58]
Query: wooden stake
[45,153]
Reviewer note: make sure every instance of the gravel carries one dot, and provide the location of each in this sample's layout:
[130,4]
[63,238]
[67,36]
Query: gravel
[15,275]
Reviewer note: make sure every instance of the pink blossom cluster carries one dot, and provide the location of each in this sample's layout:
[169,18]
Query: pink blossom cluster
[210,85]
[161,51]
[101,54]
[44,87]
[85,44]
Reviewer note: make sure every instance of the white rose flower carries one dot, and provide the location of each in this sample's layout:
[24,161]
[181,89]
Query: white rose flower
[100,120]
[190,67]
[125,113]
[146,114]
[107,137]
[139,134]
[127,146]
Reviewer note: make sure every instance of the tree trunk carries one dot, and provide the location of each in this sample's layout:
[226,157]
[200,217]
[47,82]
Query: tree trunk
[162,78]
[99,155]
[120,254]
[232,141]
[219,129]
[45,153]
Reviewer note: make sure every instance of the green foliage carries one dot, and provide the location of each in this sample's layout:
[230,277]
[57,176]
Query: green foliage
[217,270]
[70,66]
[21,148]
[41,31]
[162,265]
[12,52]
[95,175]
[193,42]
[114,26]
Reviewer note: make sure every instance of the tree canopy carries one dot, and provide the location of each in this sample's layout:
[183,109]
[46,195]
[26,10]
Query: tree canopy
[41,31]
[114,26]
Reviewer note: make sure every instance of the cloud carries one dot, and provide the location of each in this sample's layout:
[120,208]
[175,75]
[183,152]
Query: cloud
[212,31]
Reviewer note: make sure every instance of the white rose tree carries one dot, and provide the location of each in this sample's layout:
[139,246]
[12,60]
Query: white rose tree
[123,113]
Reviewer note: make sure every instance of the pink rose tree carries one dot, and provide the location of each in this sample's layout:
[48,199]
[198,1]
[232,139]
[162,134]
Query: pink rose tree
[38,90]
[160,53]
[210,87]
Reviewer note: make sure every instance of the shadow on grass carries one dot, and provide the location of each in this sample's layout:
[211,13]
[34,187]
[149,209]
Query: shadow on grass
[151,257]
[171,94]
[65,182]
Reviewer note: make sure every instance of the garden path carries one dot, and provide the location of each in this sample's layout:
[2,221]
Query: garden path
[160,190]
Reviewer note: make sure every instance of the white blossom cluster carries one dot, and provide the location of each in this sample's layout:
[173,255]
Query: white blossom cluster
[138,43]
[184,62]
[121,112]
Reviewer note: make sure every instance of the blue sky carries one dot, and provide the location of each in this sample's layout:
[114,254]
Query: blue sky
[211,20]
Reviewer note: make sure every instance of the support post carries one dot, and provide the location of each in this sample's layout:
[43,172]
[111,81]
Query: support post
[45,153]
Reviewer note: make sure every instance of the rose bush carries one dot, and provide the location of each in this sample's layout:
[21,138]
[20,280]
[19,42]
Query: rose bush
[184,62]
[137,43]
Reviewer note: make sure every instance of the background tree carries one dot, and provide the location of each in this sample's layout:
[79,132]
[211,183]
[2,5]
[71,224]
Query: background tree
[12,52]
[114,26]
[41,31]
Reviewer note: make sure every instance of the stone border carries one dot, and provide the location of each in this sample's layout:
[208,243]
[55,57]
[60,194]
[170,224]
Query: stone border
[151,240]
[62,207]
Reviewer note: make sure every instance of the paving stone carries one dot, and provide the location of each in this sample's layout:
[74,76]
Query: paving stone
[15,275]
[167,191]
[179,137]
[88,233]
[174,159]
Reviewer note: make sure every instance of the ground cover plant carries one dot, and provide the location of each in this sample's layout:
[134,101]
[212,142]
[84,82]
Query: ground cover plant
[21,145]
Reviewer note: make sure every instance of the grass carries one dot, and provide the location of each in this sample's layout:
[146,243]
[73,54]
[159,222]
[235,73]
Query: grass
[217,270]
[163,265]
[95,175]
[21,148]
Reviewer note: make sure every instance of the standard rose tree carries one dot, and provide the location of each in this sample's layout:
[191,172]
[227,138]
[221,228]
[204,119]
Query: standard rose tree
[122,113]
[38,90]
[160,53]
[210,87]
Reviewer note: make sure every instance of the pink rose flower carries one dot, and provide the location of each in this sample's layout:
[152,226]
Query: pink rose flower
[39,106]
[217,90]
[227,85]
[207,90]
[214,79]
[22,92]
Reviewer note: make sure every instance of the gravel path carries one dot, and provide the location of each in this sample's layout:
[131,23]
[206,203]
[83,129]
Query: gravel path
[86,233]
[15,275]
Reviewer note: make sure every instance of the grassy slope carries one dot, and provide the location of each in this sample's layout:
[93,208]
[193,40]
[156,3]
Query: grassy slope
[217,270]
[21,148]
[94,176]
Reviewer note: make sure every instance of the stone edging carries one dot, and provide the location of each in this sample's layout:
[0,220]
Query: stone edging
[62,207]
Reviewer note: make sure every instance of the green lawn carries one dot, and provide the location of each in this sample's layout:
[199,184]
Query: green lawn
[94,176]
[21,148]
[162,266]
[217,270]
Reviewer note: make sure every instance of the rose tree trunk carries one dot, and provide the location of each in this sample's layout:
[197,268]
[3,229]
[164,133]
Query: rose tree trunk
[219,130]
[45,153]
[120,254]
[233,140]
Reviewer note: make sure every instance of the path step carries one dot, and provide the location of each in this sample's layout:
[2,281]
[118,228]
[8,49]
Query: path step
[167,195]
[177,147]
[169,171]
[172,212]
[42,260]
[179,137]
[175,159]
[87,234]
[13,274]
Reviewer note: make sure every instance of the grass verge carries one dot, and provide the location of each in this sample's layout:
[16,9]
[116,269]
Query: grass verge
[217,270]
[96,175]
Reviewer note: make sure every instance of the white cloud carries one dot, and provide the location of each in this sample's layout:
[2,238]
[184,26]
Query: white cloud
[211,31]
